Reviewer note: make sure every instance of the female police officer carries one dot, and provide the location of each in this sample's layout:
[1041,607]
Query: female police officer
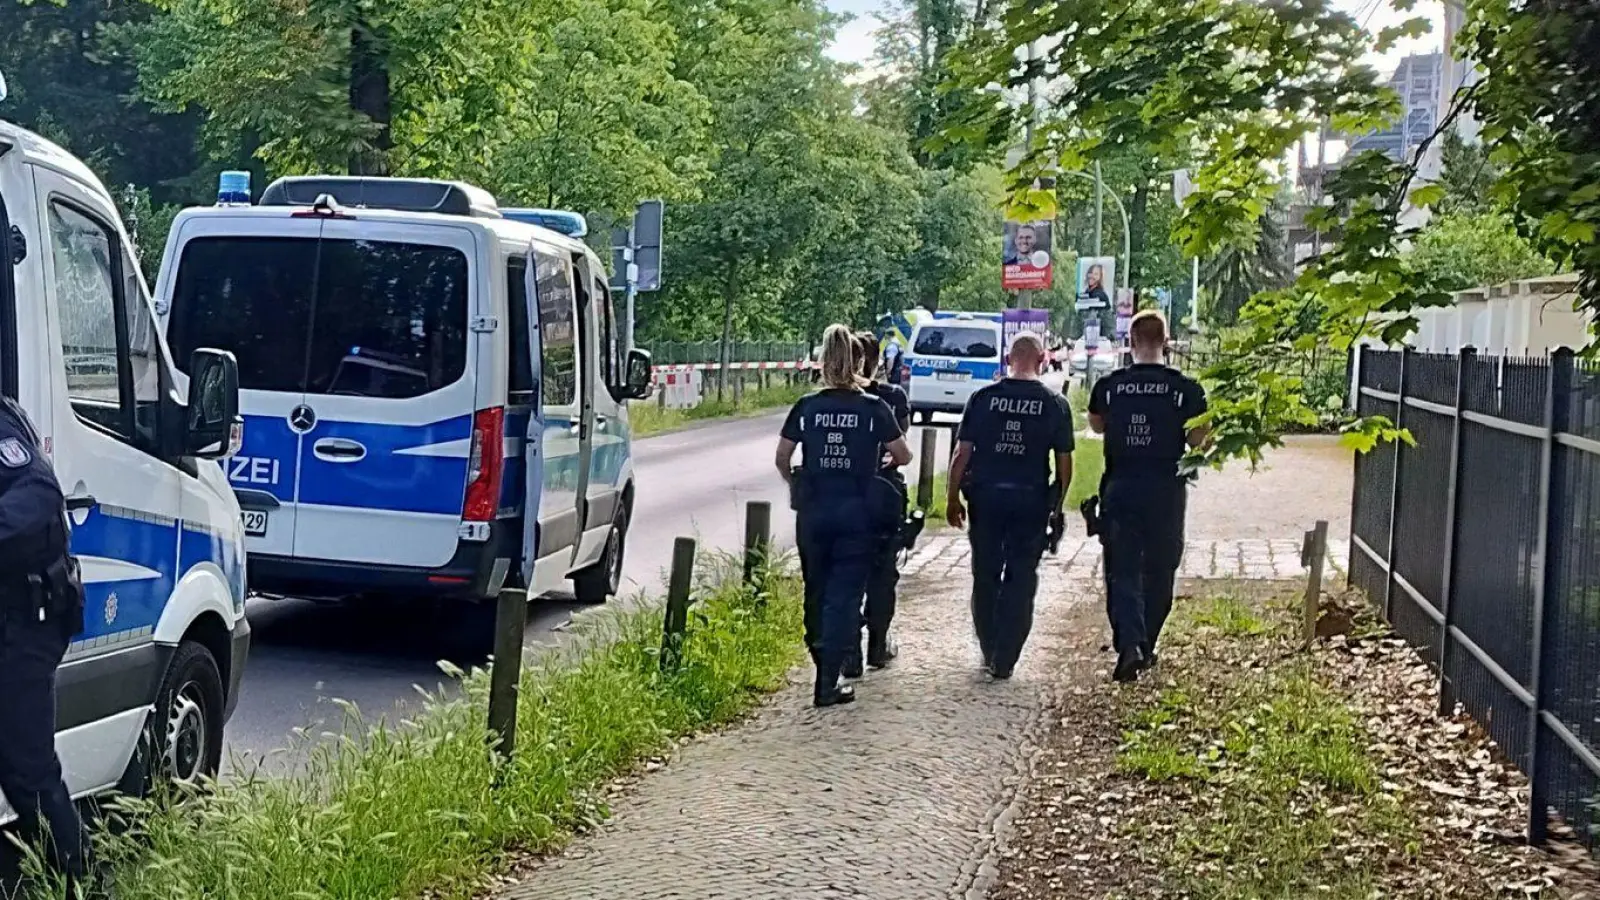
[841,505]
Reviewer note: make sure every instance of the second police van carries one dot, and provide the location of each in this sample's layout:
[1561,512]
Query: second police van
[950,358]
[434,394]
[144,690]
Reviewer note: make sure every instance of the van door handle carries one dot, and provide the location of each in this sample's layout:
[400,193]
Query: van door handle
[76,502]
[339,450]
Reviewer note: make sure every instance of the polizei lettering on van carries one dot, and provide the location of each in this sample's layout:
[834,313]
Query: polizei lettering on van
[252,470]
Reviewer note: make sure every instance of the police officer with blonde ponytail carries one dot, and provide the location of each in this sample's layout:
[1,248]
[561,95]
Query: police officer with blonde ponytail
[841,505]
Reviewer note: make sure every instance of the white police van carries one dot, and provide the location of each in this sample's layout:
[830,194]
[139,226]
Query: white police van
[420,375]
[145,689]
[950,358]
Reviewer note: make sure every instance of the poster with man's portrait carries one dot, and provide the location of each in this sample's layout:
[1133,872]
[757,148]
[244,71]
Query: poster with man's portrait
[1125,306]
[1027,264]
[1096,277]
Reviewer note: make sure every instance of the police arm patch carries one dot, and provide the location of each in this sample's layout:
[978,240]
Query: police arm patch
[13,455]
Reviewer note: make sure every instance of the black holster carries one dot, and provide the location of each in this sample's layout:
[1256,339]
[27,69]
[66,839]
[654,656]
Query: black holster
[57,595]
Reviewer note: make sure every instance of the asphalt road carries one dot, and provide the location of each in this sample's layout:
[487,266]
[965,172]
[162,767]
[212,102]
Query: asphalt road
[304,655]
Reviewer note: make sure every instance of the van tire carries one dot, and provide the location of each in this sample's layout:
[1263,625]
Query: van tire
[601,581]
[182,739]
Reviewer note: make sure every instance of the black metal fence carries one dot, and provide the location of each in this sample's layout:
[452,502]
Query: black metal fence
[1482,544]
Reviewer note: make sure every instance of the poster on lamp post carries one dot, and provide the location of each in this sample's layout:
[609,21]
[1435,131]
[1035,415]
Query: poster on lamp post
[1096,275]
[1026,263]
[1125,307]
[1015,321]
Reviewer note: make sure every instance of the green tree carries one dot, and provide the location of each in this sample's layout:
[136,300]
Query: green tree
[1233,275]
[1467,176]
[329,85]
[73,86]
[1463,250]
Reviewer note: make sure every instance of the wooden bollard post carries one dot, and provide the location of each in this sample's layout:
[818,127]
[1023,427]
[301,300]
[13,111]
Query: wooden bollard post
[757,538]
[1313,556]
[678,589]
[930,447]
[505,674]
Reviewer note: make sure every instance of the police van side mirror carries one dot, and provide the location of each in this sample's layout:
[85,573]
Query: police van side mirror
[636,385]
[213,428]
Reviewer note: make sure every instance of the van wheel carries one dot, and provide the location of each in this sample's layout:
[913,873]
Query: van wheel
[182,741]
[602,580]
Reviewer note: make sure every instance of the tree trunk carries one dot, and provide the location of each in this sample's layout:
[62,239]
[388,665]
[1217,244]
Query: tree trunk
[370,96]
[1138,232]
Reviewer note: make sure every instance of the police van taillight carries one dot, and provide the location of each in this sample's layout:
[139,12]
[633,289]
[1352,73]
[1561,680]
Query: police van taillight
[485,465]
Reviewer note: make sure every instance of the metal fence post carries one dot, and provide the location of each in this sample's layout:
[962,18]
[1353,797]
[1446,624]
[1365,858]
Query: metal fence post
[1552,511]
[679,585]
[1394,491]
[1452,507]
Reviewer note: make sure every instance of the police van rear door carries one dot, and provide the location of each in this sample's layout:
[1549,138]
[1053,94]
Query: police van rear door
[391,390]
[247,284]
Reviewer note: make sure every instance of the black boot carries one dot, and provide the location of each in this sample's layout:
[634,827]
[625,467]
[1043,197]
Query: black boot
[828,691]
[880,651]
[1129,663]
[852,662]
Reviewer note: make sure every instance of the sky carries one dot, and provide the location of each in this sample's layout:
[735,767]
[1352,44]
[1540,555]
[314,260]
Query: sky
[854,42]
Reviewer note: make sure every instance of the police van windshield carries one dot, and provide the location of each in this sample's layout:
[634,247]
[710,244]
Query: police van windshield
[361,318]
[959,341]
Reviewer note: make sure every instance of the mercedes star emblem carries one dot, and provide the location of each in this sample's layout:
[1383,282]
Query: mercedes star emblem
[302,419]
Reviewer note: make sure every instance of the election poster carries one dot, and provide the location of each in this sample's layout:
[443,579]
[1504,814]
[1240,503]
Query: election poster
[1027,263]
[1124,313]
[1015,321]
[1096,275]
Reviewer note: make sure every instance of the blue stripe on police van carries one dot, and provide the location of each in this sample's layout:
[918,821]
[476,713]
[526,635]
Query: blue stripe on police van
[129,568]
[385,478]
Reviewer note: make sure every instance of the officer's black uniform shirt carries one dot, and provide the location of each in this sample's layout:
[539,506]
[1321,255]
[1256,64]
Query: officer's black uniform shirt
[1015,426]
[33,530]
[898,404]
[1146,407]
[841,434]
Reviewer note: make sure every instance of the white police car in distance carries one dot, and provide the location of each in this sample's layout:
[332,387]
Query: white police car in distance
[950,359]
[145,689]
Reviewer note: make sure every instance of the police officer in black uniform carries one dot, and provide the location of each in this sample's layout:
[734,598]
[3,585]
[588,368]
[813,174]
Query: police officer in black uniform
[41,608]
[1143,411]
[842,506]
[1008,434]
[885,573]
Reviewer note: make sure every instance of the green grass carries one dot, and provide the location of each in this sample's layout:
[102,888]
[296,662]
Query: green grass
[1277,762]
[647,418]
[420,808]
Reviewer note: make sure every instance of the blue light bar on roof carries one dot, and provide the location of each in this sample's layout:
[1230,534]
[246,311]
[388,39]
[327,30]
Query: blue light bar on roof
[571,224]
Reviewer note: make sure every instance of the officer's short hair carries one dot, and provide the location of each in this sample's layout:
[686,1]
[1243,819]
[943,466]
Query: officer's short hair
[1148,327]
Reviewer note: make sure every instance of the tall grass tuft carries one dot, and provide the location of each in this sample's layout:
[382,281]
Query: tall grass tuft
[420,806]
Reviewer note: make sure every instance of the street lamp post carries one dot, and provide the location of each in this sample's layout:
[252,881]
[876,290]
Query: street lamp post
[1127,232]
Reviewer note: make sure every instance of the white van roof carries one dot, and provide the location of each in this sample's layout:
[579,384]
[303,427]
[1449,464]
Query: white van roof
[506,229]
[40,152]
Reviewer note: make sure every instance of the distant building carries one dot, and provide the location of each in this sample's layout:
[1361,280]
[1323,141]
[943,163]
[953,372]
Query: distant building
[1417,81]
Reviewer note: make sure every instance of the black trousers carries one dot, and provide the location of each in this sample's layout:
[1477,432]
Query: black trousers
[836,549]
[30,772]
[1008,530]
[1142,532]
